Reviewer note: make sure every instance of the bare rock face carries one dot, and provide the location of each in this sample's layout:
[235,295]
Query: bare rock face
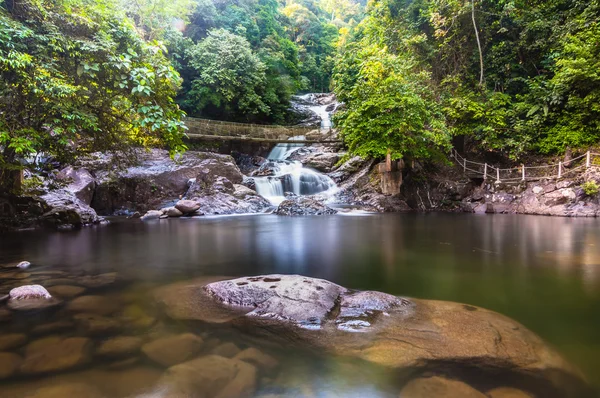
[157,179]
[80,183]
[395,332]
[63,208]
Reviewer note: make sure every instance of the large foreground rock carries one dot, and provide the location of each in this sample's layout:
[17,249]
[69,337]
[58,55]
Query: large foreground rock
[395,332]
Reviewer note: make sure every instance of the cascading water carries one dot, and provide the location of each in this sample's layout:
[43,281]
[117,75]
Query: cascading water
[291,176]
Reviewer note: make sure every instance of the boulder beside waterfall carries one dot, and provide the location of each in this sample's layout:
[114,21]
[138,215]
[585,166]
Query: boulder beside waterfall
[413,336]
[303,206]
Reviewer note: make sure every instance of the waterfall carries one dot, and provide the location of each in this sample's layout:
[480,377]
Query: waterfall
[291,176]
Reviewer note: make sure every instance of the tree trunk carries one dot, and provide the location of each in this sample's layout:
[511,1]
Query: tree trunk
[478,43]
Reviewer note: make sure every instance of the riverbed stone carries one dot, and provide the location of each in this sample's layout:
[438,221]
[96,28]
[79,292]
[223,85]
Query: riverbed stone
[66,291]
[9,364]
[12,340]
[227,350]
[93,304]
[64,390]
[257,358]
[52,327]
[209,376]
[508,392]
[58,356]
[119,346]
[81,183]
[98,281]
[168,351]
[395,332]
[97,325]
[435,386]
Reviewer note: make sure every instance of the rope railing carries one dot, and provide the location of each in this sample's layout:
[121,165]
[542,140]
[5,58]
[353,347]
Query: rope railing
[527,173]
[206,128]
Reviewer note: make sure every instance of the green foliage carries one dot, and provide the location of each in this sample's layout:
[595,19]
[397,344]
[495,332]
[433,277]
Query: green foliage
[541,88]
[75,76]
[390,110]
[590,188]
[230,78]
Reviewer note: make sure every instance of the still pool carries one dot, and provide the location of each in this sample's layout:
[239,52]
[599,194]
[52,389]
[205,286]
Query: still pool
[543,272]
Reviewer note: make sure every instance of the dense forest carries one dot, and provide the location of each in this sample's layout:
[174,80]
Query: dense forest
[512,76]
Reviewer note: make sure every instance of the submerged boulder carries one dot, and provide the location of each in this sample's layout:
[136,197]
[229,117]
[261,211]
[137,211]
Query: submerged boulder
[303,206]
[396,332]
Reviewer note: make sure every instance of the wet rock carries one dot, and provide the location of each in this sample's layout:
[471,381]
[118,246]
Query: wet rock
[209,376]
[508,392]
[303,206]
[65,390]
[227,350]
[119,346]
[172,350]
[97,281]
[81,183]
[151,215]
[187,206]
[429,387]
[12,340]
[64,208]
[135,317]
[97,325]
[23,265]
[31,297]
[52,327]
[99,305]
[172,212]
[66,291]
[219,203]
[257,358]
[58,356]
[123,363]
[9,364]
[156,179]
[394,332]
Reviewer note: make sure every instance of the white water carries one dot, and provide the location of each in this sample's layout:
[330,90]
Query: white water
[291,176]
[320,110]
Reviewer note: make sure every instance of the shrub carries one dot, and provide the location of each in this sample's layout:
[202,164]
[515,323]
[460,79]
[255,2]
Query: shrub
[591,188]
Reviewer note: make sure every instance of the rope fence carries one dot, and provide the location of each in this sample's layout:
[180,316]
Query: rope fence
[206,128]
[527,173]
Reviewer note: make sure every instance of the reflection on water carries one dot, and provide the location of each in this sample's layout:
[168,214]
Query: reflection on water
[544,272]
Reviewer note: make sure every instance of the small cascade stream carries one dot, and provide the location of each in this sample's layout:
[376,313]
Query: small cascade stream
[292,176]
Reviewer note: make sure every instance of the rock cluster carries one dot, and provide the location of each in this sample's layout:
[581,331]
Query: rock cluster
[416,336]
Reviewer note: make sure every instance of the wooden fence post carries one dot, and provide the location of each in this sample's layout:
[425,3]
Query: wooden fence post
[559,169]
[523,172]
[485,171]
[498,175]
[588,159]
